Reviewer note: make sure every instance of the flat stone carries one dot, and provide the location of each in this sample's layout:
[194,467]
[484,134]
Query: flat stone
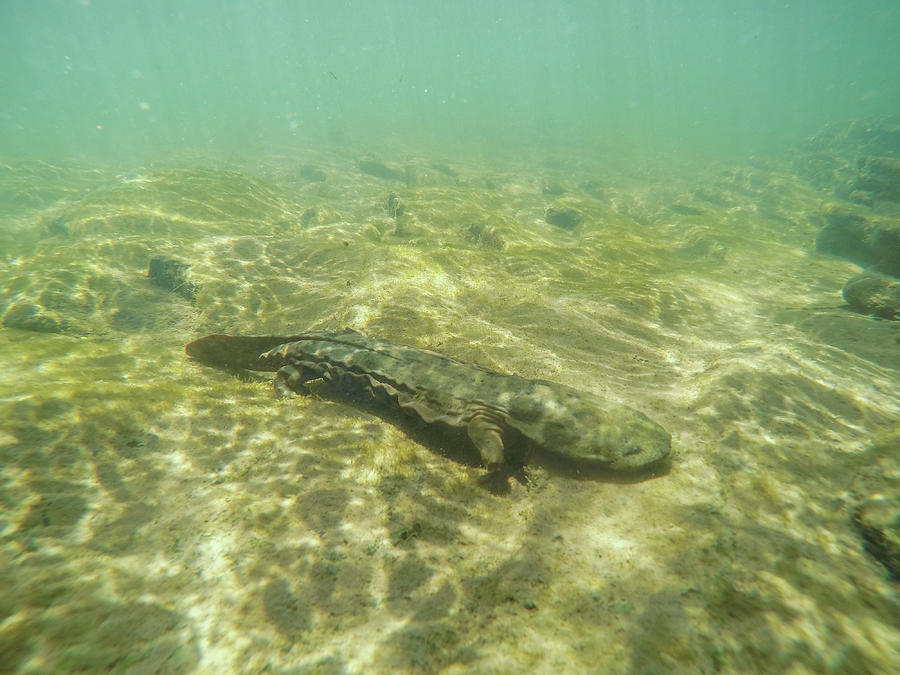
[874,293]
[563,216]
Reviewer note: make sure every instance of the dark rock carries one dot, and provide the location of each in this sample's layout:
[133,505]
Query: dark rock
[309,217]
[444,169]
[824,169]
[847,235]
[171,275]
[859,156]
[863,240]
[878,522]
[58,227]
[312,173]
[596,189]
[885,241]
[132,320]
[26,315]
[379,170]
[418,173]
[484,236]
[858,137]
[880,176]
[874,293]
[686,210]
[393,206]
[861,197]
[553,190]
[563,216]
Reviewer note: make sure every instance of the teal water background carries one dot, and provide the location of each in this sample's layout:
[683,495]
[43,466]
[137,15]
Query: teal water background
[138,80]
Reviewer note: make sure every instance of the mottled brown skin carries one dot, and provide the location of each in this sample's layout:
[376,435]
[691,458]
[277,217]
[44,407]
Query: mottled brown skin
[435,388]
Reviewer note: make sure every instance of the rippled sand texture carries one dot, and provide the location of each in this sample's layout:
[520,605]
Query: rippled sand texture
[164,516]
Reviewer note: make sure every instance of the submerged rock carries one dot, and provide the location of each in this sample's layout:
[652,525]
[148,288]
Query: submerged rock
[379,170]
[597,189]
[879,177]
[846,234]
[874,293]
[309,217]
[26,315]
[443,168]
[312,173]
[422,174]
[861,137]
[859,160]
[563,216]
[553,189]
[484,236]
[686,210]
[860,239]
[394,206]
[171,275]
[886,246]
[878,522]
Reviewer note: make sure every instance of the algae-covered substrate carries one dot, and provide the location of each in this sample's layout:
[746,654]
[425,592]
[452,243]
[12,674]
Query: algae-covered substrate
[163,516]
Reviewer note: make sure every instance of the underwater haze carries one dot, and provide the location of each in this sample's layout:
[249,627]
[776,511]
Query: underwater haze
[136,80]
[587,317]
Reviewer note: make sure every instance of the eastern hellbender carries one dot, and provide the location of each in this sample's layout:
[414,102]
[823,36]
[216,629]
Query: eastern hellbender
[493,408]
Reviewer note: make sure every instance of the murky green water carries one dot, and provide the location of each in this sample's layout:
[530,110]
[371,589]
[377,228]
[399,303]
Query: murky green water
[623,198]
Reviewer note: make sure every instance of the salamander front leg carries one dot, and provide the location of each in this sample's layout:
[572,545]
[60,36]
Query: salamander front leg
[292,378]
[287,381]
[486,436]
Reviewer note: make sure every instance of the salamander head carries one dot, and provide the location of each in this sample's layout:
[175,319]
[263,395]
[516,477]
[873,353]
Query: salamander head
[623,438]
[582,428]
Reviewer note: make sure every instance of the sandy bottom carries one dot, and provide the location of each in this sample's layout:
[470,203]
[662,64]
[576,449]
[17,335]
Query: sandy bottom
[161,516]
